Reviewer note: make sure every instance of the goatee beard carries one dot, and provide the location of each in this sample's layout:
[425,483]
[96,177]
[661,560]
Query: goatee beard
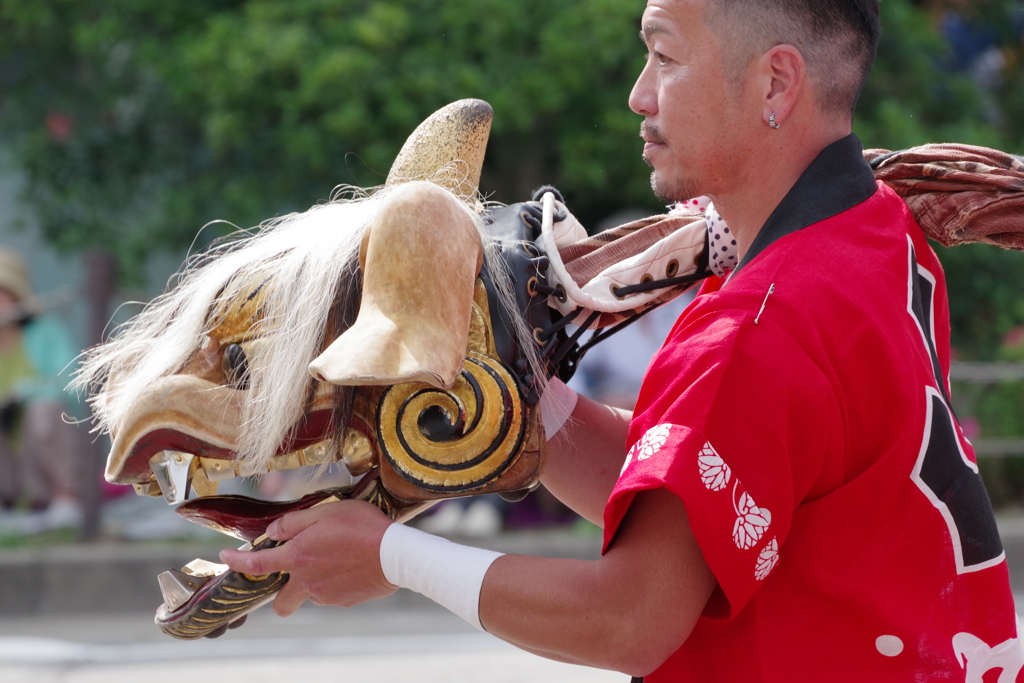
[679,191]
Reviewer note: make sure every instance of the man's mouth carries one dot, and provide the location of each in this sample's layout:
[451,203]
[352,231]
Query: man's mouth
[651,136]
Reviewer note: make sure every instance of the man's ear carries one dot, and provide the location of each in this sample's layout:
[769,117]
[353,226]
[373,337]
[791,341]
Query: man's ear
[783,76]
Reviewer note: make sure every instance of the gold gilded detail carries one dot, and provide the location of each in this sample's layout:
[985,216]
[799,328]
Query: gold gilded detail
[480,339]
[240,602]
[207,621]
[242,591]
[201,485]
[455,440]
[375,495]
[319,453]
[286,461]
[218,470]
[357,452]
[237,316]
[150,488]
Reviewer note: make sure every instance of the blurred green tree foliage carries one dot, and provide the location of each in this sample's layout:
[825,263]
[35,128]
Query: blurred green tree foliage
[137,121]
[175,113]
[910,99]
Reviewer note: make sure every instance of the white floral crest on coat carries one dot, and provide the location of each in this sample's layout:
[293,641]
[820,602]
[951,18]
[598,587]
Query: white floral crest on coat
[766,560]
[649,444]
[751,522]
[652,441]
[715,474]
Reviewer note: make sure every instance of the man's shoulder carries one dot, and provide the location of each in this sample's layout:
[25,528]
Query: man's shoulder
[810,294]
[743,330]
[860,238]
[855,260]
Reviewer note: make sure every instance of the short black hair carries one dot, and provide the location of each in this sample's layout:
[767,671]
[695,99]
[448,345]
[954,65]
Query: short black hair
[837,38]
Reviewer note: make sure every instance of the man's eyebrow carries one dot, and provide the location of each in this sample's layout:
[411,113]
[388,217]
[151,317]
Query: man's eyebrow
[651,29]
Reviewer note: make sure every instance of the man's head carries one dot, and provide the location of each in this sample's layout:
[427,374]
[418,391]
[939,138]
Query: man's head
[719,69]
[837,38]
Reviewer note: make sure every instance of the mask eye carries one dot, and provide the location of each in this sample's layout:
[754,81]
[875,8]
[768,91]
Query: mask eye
[235,366]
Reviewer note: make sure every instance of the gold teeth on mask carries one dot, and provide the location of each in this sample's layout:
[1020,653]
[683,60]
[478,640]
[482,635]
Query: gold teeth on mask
[176,475]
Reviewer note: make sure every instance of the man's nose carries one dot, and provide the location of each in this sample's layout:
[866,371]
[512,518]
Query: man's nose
[643,99]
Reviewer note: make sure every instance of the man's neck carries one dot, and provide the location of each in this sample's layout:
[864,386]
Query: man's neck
[765,182]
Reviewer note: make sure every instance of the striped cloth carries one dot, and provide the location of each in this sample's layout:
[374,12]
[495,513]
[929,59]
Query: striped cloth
[958,193]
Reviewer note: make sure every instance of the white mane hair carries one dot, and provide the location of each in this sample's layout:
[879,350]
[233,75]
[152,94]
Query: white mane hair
[308,254]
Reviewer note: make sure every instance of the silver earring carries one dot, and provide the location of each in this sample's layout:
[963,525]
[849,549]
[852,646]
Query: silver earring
[771,122]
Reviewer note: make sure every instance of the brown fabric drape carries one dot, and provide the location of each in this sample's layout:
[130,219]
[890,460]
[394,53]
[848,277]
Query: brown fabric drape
[958,193]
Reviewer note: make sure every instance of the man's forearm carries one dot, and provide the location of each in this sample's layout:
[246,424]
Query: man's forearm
[627,611]
[586,456]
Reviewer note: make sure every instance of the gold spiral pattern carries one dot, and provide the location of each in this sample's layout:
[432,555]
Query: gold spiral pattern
[456,440]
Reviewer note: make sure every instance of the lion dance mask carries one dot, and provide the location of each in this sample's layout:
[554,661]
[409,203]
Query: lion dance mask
[408,334]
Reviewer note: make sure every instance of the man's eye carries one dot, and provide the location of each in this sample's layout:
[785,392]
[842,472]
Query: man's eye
[658,57]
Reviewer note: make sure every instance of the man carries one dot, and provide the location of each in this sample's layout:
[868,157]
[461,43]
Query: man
[797,502]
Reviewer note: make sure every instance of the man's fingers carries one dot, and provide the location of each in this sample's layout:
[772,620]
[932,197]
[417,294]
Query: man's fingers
[221,630]
[258,562]
[289,599]
[217,632]
[291,525]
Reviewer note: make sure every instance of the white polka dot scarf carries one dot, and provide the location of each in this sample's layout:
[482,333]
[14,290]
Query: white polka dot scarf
[722,249]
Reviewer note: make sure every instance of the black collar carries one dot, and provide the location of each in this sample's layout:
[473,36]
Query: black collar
[837,180]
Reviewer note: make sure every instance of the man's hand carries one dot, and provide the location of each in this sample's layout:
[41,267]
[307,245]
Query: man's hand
[332,556]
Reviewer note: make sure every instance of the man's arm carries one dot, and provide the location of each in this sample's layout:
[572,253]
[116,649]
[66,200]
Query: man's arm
[586,456]
[627,611]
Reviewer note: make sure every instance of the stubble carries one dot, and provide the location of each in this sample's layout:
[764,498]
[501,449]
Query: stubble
[668,189]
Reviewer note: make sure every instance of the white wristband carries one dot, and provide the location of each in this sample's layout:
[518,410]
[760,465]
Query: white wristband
[556,406]
[448,573]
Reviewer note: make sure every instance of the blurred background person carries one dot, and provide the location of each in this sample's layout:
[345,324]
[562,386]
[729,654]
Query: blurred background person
[38,477]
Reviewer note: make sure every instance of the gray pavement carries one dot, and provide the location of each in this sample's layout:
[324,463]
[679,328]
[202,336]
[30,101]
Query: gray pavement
[501,664]
[83,614]
[400,639]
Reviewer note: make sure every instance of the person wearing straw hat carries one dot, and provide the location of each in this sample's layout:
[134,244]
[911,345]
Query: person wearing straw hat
[37,472]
